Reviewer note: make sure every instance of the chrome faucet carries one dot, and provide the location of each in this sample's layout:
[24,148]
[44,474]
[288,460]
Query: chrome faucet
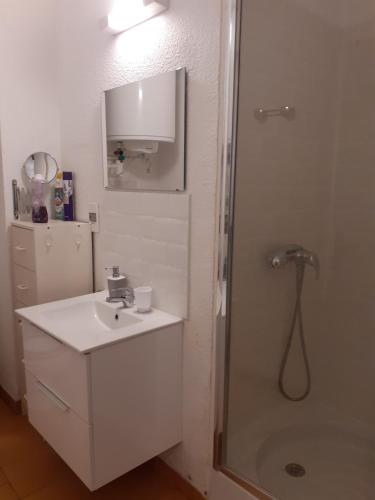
[127,301]
[117,290]
[295,253]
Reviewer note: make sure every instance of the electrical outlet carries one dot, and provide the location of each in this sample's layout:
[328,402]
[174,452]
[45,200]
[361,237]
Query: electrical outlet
[94,217]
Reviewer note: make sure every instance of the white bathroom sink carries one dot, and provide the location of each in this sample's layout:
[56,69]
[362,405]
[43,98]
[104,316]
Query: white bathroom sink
[89,322]
[93,315]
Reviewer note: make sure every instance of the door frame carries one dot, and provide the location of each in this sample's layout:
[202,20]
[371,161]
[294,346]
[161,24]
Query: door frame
[229,119]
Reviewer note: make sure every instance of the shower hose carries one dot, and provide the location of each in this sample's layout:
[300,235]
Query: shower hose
[297,320]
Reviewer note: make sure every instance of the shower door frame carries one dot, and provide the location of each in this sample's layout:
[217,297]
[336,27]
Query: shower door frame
[229,109]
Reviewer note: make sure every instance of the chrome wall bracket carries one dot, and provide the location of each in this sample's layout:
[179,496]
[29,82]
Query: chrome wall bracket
[288,112]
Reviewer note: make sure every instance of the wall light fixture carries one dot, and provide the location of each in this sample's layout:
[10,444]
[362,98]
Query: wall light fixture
[128,13]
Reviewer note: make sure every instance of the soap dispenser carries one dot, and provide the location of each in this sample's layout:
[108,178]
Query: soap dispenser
[116,283]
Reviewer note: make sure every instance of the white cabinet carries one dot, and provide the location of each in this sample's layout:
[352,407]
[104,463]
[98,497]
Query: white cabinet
[61,368]
[68,434]
[51,261]
[107,411]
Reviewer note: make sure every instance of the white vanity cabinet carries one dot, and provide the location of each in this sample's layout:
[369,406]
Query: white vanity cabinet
[108,410]
[50,261]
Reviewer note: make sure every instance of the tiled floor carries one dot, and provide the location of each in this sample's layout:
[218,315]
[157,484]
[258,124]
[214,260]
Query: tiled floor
[30,469]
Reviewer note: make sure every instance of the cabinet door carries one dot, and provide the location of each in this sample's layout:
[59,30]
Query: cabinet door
[68,435]
[25,289]
[20,356]
[59,367]
[136,401]
[23,247]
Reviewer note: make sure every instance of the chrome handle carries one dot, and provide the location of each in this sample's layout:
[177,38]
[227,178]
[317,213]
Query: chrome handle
[20,249]
[16,197]
[52,396]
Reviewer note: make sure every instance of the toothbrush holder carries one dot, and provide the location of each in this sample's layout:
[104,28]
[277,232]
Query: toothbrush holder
[143,298]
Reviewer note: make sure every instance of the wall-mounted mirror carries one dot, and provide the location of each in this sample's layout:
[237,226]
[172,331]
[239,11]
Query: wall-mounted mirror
[143,126]
[43,164]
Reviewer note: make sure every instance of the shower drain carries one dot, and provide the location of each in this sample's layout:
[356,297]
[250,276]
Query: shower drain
[295,470]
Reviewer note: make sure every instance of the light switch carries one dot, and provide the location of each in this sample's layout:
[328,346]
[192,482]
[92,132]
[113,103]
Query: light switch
[94,217]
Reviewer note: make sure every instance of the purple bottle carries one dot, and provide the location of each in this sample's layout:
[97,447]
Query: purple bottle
[68,196]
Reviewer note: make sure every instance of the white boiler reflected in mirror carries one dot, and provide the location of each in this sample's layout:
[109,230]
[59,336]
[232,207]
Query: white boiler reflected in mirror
[143,127]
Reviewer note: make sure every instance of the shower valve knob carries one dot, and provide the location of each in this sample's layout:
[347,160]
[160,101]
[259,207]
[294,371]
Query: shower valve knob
[275,262]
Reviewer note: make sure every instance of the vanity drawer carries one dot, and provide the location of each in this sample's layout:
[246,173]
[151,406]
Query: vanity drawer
[52,417]
[57,366]
[25,290]
[23,247]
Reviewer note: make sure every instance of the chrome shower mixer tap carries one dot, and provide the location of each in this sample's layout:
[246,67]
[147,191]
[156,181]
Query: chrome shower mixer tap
[294,253]
[300,256]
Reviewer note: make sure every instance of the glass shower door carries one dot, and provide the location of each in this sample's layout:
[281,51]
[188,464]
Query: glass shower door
[299,403]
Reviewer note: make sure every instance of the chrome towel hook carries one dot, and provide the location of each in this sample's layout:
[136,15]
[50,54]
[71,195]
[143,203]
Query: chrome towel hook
[288,112]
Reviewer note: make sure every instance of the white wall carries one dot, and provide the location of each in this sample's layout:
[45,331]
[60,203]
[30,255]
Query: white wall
[29,121]
[8,363]
[349,334]
[91,60]
[147,235]
[51,80]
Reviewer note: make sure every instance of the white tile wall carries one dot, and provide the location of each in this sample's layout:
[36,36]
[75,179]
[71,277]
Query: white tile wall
[310,181]
[285,168]
[147,235]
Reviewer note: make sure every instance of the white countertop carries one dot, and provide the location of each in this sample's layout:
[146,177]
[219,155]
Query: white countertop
[77,322]
[24,224]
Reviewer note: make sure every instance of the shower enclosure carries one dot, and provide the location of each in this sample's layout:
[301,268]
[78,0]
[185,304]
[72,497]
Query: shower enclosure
[296,417]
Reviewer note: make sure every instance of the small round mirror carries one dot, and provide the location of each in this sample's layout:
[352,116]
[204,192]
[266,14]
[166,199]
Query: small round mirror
[43,164]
